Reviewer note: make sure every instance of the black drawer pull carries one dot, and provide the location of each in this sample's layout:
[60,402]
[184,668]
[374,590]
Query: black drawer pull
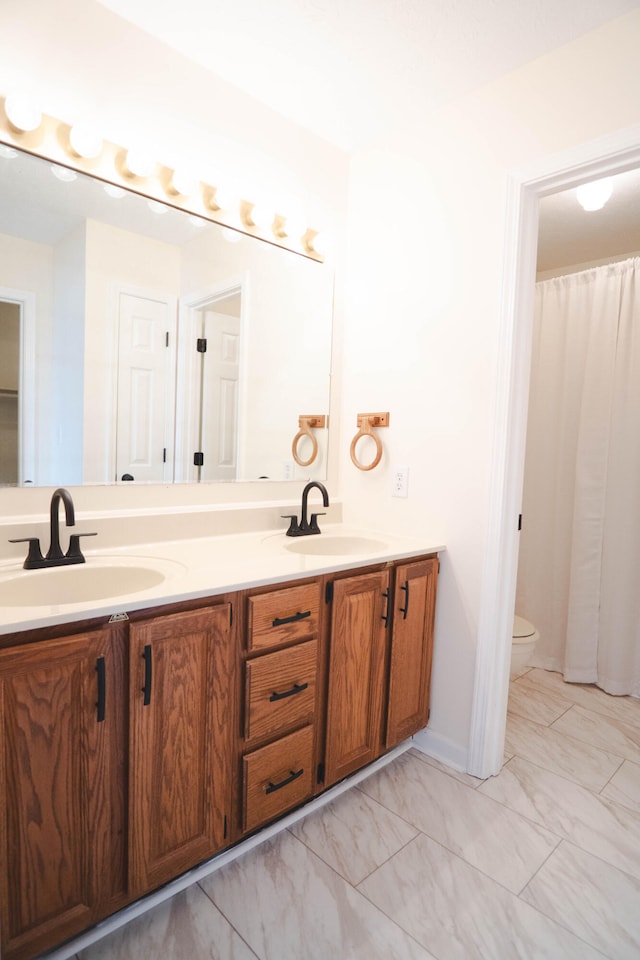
[294,619]
[405,610]
[146,656]
[283,783]
[102,689]
[296,688]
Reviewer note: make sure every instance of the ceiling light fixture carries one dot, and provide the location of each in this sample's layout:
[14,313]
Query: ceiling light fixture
[594,195]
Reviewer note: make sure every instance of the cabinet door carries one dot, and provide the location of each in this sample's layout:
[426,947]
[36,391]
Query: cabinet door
[62,825]
[411,649]
[356,673]
[179,762]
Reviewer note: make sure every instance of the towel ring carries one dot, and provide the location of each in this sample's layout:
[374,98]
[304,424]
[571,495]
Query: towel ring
[366,422]
[305,424]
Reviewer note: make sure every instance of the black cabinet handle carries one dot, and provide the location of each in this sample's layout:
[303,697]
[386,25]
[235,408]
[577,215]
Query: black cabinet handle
[283,783]
[385,615]
[146,689]
[294,619]
[296,688]
[102,689]
[405,610]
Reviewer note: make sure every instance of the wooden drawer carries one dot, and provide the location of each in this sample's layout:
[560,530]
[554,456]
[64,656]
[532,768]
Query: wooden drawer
[280,691]
[277,777]
[283,616]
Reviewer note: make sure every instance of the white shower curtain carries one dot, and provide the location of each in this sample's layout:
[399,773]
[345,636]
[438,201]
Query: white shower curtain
[579,567]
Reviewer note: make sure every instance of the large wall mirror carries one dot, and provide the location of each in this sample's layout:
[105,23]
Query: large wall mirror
[141,344]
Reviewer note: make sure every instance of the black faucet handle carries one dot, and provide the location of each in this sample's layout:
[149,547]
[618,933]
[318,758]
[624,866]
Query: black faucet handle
[313,523]
[293,525]
[34,556]
[74,553]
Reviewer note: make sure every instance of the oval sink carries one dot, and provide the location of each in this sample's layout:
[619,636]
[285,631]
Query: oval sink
[321,545]
[97,579]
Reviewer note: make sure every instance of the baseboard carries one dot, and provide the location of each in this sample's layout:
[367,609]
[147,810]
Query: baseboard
[441,748]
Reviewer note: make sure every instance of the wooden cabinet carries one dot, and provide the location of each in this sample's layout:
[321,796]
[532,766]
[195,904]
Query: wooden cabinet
[361,612]
[281,670]
[132,751]
[411,649]
[380,648]
[181,669]
[62,749]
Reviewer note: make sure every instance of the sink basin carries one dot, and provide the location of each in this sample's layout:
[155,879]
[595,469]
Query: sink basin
[97,579]
[333,546]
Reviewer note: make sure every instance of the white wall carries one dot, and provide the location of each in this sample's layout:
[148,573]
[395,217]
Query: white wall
[423,300]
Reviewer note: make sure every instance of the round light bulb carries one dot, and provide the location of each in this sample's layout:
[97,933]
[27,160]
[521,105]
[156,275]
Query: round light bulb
[224,199]
[197,221]
[156,207]
[22,113]
[231,236]
[183,183]
[294,228]
[140,164]
[594,195]
[85,141]
[64,174]
[7,153]
[114,191]
[261,217]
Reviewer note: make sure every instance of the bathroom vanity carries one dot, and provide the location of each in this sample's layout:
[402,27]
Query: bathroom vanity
[144,735]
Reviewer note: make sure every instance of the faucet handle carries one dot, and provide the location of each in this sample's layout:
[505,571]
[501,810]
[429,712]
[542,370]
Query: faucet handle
[293,526]
[34,556]
[74,553]
[313,523]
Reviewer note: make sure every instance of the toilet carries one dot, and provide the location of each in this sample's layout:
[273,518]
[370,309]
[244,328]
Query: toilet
[522,646]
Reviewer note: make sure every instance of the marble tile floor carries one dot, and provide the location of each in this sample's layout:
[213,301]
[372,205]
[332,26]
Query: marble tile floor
[421,862]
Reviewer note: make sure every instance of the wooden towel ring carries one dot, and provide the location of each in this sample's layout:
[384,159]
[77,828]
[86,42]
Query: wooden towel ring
[366,422]
[305,424]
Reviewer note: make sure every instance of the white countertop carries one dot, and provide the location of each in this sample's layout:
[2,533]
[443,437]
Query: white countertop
[195,568]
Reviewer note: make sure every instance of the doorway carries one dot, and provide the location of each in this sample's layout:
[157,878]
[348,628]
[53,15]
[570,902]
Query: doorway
[606,157]
[17,388]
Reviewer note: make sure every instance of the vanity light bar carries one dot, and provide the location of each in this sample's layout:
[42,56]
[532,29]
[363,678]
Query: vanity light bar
[80,148]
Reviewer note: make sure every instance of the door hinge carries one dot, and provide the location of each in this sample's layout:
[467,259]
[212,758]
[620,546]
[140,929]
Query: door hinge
[198,458]
[201,344]
[166,339]
[328,592]
[519,521]
[320,773]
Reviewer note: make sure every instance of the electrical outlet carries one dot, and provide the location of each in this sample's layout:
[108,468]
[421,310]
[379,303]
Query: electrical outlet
[287,470]
[400,482]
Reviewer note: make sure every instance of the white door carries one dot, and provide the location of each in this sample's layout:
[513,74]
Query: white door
[220,380]
[145,407]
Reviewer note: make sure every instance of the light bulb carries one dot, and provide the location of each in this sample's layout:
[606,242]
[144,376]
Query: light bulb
[64,174]
[7,153]
[260,216]
[294,228]
[22,113]
[183,183]
[594,195]
[113,191]
[231,236]
[225,199]
[156,207]
[85,141]
[139,164]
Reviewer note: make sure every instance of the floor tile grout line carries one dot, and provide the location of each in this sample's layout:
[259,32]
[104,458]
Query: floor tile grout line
[257,955]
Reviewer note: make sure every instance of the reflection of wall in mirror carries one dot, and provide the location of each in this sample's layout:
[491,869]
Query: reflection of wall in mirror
[9,381]
[286,346]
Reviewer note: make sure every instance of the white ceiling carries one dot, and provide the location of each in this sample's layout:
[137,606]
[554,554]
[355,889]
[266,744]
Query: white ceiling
[569,235]
[351,71]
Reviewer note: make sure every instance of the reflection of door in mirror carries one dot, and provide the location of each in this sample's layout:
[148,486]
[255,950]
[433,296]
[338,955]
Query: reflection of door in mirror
[9,383]
[220,381]
[145,391]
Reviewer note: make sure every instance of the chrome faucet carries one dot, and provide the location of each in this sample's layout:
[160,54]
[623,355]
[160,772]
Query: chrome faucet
[307,527]
[55,557]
